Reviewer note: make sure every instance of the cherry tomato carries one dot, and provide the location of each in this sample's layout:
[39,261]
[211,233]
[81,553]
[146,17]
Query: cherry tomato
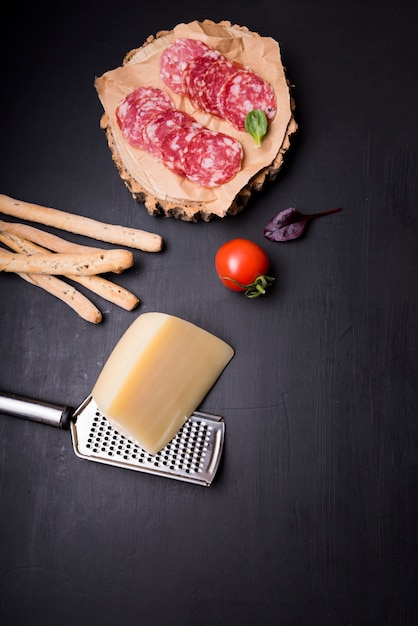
[241,265]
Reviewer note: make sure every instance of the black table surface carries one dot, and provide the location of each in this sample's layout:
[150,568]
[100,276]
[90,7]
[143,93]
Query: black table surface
[312,518]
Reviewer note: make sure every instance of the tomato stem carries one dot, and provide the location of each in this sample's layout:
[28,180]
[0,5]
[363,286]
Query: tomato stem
[254,289]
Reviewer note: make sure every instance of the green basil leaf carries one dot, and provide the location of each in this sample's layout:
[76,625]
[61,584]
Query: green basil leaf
[256,125]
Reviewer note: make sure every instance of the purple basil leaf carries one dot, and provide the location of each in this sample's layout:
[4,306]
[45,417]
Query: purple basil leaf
[286,225]
[290,224]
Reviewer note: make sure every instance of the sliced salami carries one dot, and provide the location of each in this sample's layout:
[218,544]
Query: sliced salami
[175,58]
[149,121]
[146,94]
[175,146]
[222,88]
[194,83]
[155,131]
[243,92]
[137,109]
[215,79]
[212,158]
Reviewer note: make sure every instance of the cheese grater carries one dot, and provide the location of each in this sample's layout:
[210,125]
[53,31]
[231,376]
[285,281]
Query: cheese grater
[192,456]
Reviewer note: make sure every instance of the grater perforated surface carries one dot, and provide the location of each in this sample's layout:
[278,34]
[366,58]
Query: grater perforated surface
[193,455]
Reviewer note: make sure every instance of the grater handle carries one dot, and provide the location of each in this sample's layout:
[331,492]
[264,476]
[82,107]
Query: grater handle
[36,410]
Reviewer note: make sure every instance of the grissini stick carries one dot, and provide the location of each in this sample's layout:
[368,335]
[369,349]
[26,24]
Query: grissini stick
[64,292]
[97,284]
[81,264]
[68,294]
[43,238]
[80,225]
[108,291]
[47,241]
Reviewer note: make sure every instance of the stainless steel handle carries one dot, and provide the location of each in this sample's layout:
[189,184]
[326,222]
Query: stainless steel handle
[36,410]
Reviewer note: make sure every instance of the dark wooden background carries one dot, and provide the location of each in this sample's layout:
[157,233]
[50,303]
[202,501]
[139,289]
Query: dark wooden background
[312,520]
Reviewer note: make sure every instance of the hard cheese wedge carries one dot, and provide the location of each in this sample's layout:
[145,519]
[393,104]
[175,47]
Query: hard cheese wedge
[156,376]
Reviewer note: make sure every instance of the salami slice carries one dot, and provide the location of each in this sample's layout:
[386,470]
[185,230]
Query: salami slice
[176,144]
[243,92]
[175,58]
[155,131]
[142,94]
[212,158]
[137,109]
[194,83]
[215,79]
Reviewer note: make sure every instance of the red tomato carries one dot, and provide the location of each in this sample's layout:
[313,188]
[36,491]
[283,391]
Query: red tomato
[241,265]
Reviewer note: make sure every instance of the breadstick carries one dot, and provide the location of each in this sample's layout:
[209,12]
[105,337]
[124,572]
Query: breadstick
[81,264]
[102,287]
[108,290]
[58,288]
[111,233]
[43,238]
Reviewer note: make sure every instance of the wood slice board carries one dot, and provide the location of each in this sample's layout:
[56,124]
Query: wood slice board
[150,182]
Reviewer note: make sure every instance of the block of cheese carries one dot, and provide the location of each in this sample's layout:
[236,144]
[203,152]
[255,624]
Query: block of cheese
[156,376]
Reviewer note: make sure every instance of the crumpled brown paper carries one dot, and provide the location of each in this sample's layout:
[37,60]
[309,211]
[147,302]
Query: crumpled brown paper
[141,67]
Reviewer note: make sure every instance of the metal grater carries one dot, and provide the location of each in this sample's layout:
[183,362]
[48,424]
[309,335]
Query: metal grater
[192,456]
